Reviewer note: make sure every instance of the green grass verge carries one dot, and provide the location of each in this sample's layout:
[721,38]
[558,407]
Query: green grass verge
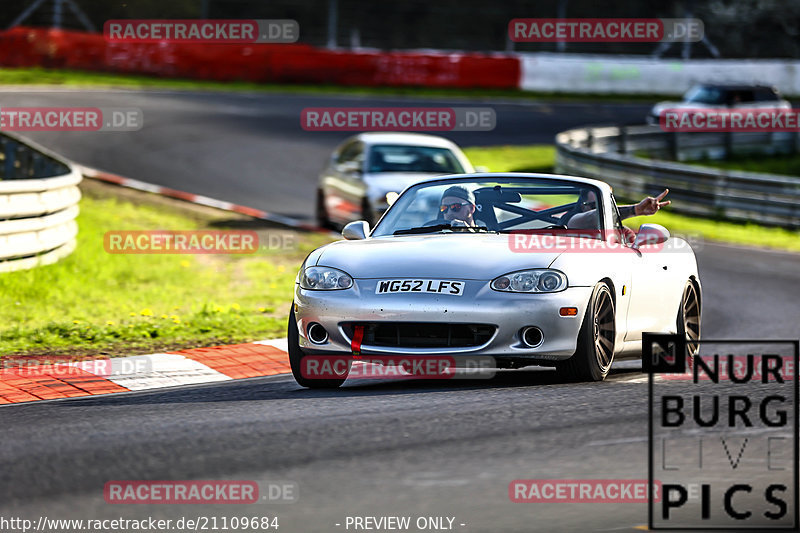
[541,158]
[536,158]
[94,302]
[699,229]
[784,164]
[76,78]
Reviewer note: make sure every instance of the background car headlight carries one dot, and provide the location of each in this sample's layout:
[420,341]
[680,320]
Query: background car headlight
[539,280]
[325,279]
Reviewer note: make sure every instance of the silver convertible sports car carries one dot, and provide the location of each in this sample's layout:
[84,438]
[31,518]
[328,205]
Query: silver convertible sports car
[525,269]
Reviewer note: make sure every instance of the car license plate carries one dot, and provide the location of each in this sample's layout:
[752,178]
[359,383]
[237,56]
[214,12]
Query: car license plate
[435,286]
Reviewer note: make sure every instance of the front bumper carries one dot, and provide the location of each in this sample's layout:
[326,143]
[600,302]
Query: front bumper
[508,312]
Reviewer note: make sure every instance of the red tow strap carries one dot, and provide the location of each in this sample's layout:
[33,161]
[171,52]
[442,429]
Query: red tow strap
[358,336]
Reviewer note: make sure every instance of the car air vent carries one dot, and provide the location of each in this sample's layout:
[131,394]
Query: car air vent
[422,334]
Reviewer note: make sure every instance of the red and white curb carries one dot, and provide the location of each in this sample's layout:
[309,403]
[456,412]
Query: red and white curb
[198,199]
[144,372]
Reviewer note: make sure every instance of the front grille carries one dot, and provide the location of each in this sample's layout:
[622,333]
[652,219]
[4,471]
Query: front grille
[421,334]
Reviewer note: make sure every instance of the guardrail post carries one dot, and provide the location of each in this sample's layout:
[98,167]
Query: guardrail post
[720,196]
[623,139]
[672,145]
[728,140]
[589,138]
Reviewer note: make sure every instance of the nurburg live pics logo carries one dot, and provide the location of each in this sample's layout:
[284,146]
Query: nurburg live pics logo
[722,433]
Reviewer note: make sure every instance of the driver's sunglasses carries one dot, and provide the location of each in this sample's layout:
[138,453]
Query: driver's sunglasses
[589,205]
[454,207]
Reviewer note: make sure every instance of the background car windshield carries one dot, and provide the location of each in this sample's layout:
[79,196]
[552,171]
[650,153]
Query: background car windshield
[402,158]
[501,205]
[704,95]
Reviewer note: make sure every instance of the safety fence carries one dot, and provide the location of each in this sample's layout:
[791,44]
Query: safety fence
[303,63]
[614,74]
[38,205]
[626,157]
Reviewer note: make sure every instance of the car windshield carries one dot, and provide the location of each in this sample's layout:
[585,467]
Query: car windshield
[704,95]
[406,158]
[502,204]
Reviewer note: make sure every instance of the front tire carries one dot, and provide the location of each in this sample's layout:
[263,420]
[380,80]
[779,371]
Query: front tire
[688,320]
[595,350]
[296,356]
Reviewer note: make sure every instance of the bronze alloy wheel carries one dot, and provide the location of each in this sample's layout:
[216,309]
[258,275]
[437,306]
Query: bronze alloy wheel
[595,347]
[604,330]
[689,318]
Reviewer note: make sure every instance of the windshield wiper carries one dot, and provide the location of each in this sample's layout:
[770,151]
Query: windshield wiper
[439,227]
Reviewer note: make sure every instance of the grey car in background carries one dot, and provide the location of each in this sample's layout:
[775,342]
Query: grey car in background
[727,96]
[367,171]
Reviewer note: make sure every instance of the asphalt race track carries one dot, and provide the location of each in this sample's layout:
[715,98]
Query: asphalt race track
[371,448]
[250,149]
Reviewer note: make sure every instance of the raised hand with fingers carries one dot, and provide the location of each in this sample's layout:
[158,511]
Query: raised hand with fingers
[650,205]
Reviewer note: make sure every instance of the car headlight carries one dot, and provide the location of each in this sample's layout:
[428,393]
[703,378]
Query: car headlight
[537,280]
[324,279]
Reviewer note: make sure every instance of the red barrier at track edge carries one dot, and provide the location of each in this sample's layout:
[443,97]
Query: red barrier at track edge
[260,63]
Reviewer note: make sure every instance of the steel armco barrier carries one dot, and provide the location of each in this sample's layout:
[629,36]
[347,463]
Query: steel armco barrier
[38,204]
[612,154]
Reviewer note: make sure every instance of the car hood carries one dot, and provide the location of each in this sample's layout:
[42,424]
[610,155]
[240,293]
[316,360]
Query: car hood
[458,256]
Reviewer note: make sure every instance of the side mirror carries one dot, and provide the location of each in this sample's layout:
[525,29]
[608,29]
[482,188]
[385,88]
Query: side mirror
[481,168]
[356,231]
[350,167]
[650,234]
